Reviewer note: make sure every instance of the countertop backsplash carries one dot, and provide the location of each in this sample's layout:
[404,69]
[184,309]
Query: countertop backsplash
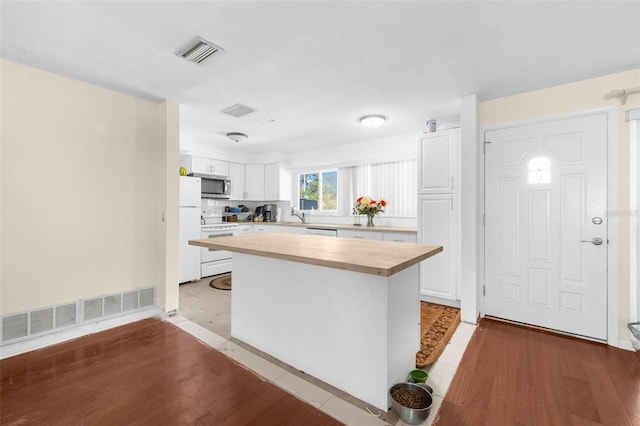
[213,211]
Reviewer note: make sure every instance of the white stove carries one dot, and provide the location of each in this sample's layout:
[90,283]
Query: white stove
[214,261]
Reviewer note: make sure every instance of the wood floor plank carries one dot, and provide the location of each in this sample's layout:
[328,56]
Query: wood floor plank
[148,372]
[511,375]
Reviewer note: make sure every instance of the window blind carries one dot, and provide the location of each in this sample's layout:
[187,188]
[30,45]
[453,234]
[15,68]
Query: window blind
[394,181]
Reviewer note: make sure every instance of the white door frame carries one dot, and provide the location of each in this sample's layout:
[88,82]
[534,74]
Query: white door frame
[612,210]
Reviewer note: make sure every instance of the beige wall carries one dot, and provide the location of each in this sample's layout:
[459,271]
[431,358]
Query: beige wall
[83,186]
[576,97]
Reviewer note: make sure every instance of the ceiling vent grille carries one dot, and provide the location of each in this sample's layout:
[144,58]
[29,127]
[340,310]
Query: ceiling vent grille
[200,50]
[238,110]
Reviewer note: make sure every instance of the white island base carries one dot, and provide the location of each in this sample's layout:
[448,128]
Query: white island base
[356,331]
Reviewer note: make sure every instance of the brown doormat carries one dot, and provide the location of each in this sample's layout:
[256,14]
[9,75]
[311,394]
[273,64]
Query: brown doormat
[222,281]
[437,325]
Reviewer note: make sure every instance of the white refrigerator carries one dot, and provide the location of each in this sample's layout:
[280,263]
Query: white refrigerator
[189,256]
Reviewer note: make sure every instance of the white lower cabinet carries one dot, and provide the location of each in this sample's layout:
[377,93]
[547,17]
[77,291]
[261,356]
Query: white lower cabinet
[361,235]
[288,229]
[401,237]
[259,229]
[437,225]
[244,230]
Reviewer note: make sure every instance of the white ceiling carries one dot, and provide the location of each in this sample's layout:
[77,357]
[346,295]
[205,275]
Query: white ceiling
[311,68]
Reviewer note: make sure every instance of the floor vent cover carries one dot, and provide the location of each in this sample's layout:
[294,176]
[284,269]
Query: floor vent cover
[15,326]
[66,315]
[43,321]
[92,309]
[130,301]
[112,305]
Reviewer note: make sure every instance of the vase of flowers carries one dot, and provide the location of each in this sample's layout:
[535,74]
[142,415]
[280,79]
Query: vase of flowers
[370,207]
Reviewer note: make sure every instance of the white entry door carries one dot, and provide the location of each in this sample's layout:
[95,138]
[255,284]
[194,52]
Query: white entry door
[546,224]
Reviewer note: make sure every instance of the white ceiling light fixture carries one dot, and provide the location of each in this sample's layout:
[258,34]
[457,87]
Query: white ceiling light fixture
[373,121]
[237,137]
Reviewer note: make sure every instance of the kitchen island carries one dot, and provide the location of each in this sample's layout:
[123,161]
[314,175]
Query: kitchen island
[344,311]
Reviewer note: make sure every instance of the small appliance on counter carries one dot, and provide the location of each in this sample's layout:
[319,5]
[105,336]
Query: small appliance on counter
[259,211]
[269,214]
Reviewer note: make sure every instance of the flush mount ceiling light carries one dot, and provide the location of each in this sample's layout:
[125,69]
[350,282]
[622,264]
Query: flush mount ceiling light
[237,137]
[372,121]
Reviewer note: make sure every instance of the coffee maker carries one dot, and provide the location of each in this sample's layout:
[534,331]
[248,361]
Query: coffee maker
[260,212]
[270,212]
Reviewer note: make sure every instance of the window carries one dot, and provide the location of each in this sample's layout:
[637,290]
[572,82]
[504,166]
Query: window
[539,170]
[318,190]
[334,191]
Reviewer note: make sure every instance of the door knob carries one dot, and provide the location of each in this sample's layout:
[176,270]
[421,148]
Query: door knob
[595,241]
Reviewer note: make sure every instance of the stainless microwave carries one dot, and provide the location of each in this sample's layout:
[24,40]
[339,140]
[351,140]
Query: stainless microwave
[214,186]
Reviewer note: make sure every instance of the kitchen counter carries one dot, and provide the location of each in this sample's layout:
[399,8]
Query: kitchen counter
[342,310]
[336,226]
[383,258]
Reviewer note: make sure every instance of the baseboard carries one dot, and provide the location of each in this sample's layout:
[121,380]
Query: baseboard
[24,346]
[440,301]
[628,345]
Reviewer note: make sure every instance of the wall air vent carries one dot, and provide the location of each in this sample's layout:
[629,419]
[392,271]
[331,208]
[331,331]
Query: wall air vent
[238,110]
[200,50]
[45,321]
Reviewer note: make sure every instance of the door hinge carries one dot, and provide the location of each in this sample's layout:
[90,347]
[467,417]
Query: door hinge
[484,219]
[484,290]
[484,146]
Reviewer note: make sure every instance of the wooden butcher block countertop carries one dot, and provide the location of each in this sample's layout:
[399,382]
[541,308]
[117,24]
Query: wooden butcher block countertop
[383,258]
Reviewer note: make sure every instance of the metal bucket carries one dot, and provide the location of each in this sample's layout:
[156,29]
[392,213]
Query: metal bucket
[411,416]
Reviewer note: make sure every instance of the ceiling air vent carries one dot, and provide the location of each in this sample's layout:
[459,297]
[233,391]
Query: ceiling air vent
[200,50]
[238,110]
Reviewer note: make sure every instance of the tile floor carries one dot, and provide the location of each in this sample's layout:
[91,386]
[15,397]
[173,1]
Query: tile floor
[205,313]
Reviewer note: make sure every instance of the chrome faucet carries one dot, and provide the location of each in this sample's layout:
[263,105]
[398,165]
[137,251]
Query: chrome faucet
[293,213]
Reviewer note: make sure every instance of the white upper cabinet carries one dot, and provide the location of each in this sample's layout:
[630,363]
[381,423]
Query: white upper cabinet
[247,181]
[220,168]
[277,182]
[237,176]
[254,182]
[204,165]
[438,155]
